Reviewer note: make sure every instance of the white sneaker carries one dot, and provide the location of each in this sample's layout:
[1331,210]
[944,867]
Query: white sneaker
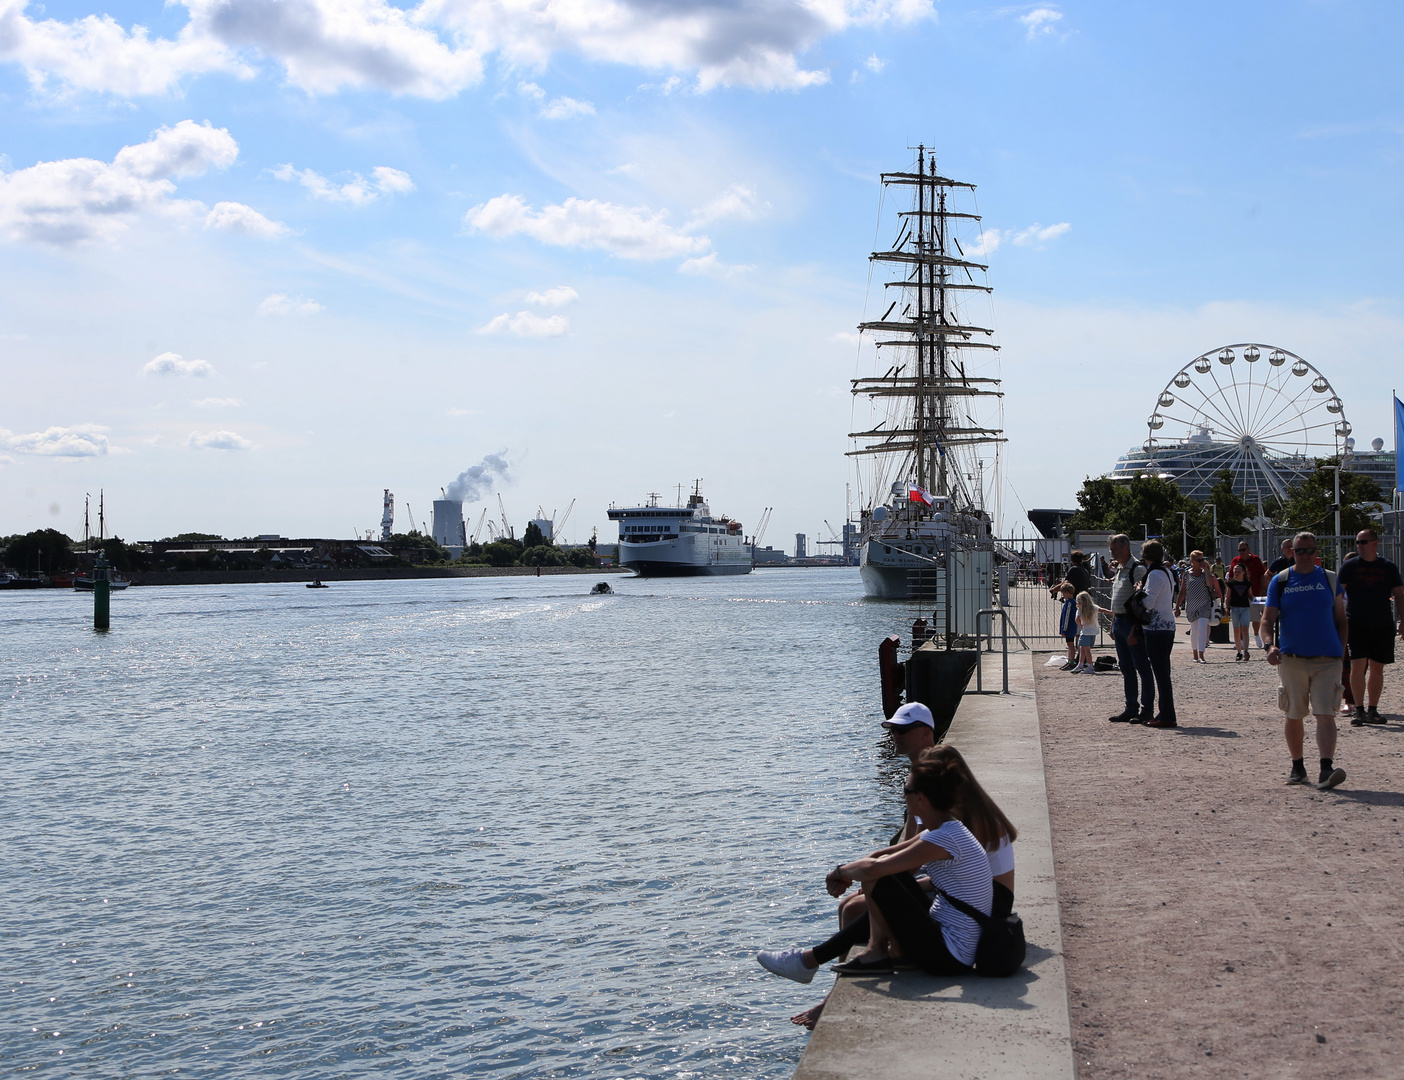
[788,964]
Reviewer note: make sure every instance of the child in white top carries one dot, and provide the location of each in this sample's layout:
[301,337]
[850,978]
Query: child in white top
[1087,630]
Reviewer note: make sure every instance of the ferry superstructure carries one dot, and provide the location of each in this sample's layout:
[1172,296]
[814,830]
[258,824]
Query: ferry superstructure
[926,488]
[680,541]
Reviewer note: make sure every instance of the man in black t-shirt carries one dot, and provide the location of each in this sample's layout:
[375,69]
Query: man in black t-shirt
[1369,583]
[1284,560]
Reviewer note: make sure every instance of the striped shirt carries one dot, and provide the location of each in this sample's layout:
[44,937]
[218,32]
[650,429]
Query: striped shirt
[966,876]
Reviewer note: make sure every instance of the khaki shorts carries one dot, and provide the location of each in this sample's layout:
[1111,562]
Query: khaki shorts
[1309,684]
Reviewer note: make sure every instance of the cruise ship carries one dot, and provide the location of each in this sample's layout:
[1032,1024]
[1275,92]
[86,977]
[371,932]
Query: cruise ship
[680,541]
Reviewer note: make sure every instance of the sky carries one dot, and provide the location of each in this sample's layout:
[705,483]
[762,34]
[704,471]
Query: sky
[263,259]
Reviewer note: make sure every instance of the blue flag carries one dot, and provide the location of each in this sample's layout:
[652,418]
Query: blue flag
[1398,444]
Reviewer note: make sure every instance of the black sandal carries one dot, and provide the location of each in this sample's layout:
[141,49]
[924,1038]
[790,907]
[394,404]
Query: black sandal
[882,966]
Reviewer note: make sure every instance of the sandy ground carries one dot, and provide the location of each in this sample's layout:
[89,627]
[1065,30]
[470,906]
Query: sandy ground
[1217,922]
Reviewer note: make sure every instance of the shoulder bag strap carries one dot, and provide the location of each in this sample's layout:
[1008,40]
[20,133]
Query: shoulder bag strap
[961,906]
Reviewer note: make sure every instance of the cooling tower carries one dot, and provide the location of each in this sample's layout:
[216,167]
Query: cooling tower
[449,531]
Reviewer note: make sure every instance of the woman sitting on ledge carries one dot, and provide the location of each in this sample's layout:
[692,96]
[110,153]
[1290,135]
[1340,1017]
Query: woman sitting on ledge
[980,814]
[904,922]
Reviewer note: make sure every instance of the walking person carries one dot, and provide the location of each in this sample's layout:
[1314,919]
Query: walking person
[1198,591]
[1130,642]
[1305,627]
[1284,560]
[1256,572]
[1159,633]
[1369,583]
[1240,607]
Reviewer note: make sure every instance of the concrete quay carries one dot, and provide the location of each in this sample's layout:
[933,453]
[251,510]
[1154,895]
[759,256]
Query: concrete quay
[912,1025]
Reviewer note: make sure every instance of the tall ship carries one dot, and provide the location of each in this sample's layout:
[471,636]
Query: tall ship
[680,541]
[932,452]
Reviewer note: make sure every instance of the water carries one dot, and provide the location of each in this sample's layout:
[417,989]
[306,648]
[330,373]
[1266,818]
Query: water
[487,827]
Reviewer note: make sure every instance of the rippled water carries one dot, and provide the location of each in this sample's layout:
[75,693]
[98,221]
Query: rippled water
[472,826]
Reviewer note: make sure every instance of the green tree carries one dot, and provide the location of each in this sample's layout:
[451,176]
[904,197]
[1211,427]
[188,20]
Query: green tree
[192,538]
[125,557]
[1309,500]
[533,538]
[43,551]
[502,552]
[543,555]
[1095,503]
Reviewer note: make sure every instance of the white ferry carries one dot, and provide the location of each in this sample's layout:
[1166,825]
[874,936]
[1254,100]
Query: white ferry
[680,541]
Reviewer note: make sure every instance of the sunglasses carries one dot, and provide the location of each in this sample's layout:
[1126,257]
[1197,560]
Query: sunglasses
[1362,543]
[1305,551]
[909,790]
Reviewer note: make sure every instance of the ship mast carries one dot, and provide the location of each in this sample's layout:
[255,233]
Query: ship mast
[928,432]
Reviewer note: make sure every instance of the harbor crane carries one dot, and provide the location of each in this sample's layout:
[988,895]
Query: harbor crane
[558,530]
[760,530]
[506,529]
[481,522]
[410,514]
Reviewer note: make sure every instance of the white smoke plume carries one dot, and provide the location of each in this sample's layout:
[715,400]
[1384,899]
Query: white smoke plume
[474,482]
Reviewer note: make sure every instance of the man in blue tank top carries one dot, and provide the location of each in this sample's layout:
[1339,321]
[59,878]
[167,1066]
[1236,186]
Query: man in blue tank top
[1304,627]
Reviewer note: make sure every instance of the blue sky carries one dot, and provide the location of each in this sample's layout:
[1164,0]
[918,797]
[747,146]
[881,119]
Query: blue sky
[354,245]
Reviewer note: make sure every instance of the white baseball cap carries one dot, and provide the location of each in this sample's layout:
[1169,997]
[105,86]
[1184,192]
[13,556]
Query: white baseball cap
[914,712]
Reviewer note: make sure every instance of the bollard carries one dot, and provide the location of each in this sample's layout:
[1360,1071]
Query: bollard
[102,593]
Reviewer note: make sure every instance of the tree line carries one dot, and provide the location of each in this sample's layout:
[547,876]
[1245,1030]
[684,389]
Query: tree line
[1154,505]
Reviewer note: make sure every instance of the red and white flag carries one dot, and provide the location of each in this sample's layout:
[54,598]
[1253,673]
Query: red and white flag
[916,494]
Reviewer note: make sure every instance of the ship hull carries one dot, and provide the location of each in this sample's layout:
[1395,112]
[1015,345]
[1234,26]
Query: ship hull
[647,568]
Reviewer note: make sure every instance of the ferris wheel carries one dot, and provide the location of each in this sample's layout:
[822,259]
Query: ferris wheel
[1262,413]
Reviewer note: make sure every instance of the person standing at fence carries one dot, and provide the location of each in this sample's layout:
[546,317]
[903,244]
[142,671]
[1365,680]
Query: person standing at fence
[1130,642]
[1256,572]
[1078,574]
[1198,591]
[1159,633]
[1067,622]
[1369,583]
[1305,627]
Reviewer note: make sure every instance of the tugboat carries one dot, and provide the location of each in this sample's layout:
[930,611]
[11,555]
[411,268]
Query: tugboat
[680,541]
[926,512]
[316,584]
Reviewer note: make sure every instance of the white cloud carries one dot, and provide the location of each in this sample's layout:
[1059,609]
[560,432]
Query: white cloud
[94,53]
[737,203]
[82,199]
[236,217]
[437,48]
[561,108]
[1040,22]
[281,304]
[629,232]
[875,64]
[169,363]
[217,403]
[556,297]
[219,440]
[392,181]
[711,266]
[327,45]
[359,191]
[849,337]
[1036,235]
[565,108]
[527,324]
[80,440]
[987,244]
[463,412]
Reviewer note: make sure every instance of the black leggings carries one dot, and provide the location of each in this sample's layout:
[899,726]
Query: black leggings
[856,932]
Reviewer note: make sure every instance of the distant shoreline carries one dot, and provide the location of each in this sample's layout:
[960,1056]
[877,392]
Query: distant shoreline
[388,573]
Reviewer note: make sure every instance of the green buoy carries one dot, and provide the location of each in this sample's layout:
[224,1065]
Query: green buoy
[102,593]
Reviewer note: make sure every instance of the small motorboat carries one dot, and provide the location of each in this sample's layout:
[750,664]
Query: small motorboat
[602,589]
[316,584]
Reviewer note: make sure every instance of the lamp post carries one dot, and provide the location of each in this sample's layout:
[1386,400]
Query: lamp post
[1336,499]
[1184,535]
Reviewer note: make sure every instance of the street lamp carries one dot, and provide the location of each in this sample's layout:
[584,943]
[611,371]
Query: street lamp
[1184,535]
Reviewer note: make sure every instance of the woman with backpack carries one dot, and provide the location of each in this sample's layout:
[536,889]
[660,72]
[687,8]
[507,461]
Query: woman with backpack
[1159,630]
